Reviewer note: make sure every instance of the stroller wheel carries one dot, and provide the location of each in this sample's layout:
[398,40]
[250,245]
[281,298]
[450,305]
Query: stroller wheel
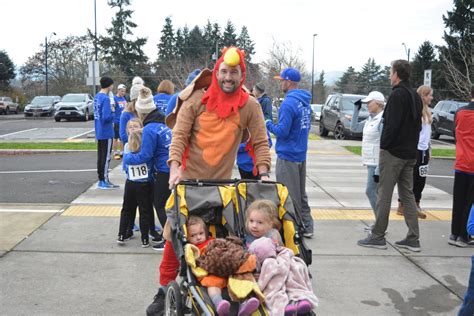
[174,300]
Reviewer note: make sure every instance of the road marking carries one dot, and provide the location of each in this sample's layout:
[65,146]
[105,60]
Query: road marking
[45,171]
[435,176]
[79,135]
[26,130]
[16,210]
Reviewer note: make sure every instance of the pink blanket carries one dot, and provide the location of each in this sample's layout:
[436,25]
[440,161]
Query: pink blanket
[285,279]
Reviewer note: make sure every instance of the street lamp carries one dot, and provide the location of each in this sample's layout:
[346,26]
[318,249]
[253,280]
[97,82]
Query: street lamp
[407,51]
[312,72]
[46,58]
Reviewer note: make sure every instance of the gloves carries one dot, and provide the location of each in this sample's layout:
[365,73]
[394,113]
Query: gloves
[358,104]
[376,178]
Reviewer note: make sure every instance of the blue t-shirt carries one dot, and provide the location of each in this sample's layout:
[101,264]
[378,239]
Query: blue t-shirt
[103,117]
[161,101]
[120,103]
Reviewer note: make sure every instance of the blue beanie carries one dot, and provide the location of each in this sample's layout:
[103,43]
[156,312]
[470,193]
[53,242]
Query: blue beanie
[191,76]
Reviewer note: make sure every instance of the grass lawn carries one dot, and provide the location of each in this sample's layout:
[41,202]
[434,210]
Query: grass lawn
[434,152]
[59,146]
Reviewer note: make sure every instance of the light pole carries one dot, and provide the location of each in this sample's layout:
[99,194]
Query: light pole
[407,51]
[312,72]
[46,59]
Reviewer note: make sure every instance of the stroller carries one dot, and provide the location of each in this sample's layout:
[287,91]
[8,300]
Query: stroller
[221,204]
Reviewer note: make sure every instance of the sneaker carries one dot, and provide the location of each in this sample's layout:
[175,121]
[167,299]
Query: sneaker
[145,243]
[223,308]
[308,235]
[462,243]
[452,240]
[249,306]
[121,239]
[158,305]
[104,185]
[129,235]
[413,245]
[117,156]
[113,186]
[371,242]
[160,246]
[156,238]
[290,309]
[303,307]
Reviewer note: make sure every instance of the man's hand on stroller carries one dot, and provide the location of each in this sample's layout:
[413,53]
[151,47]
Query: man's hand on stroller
[176,174]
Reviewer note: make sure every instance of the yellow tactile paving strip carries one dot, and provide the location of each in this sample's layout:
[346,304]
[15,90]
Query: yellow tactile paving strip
[318,214]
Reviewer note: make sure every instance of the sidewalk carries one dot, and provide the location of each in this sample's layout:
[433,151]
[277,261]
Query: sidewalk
[70,263]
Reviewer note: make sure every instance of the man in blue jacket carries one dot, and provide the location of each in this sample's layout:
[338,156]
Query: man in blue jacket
[104,132]
[264,100]
[292,131]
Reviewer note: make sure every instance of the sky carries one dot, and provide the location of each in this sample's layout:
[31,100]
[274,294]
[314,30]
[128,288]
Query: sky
[348,32]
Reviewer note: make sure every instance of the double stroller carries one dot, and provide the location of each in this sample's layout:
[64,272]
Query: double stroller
[222,205]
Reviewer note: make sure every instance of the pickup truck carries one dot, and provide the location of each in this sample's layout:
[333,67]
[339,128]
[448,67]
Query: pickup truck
[8,106]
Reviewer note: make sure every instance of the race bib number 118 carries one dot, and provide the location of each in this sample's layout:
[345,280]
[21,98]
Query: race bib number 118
[137,172]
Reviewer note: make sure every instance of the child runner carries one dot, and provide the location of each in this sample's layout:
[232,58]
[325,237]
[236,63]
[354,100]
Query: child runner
[138,191]
[120,103]
[262,221]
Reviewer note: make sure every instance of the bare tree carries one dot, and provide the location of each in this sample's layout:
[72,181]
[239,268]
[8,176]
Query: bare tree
[460,79]
[282,55]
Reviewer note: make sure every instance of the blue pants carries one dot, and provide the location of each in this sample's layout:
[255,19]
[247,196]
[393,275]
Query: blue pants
[467,308]
[371,188]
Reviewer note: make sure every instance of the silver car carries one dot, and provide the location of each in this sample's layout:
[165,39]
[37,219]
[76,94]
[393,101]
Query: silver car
[74,106]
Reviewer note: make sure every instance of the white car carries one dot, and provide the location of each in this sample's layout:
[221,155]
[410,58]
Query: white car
[316,109]
[74,106]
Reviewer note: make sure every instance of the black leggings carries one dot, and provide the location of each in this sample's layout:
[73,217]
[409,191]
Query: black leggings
[422,159]
[161,192]
[136,194]
[104,148]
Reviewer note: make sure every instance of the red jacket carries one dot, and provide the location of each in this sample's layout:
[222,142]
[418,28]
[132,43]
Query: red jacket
[464,121]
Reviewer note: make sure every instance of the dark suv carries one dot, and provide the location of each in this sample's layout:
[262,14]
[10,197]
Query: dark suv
[443,118]
[336,113]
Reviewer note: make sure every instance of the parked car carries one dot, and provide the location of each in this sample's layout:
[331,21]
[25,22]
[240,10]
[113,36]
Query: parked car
[42,105]
[316,112]
[8,106]
[335,115]
[443,118]
[74,106]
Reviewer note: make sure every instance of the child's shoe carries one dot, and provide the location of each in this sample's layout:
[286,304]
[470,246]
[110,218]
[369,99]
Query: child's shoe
[121,239]
[249,306]
[223,308]
[145,243]
[290,309]
[303,307]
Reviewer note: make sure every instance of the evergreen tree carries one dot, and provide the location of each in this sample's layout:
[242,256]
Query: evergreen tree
[196,44]
[185,42]
[423,60]
[244,42]
[457,56]
[208,40]
[382,84]
[229,37]
[217,40]
[368,77]
[7,70]
[166,47]
[347,83]
[116,48]
[319,93]
[179,45]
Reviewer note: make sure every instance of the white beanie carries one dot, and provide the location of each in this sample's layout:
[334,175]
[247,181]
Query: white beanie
[134,90]
[137,80]
[144,103]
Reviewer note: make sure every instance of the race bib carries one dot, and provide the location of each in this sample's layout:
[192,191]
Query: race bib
[138,172]
[423,171]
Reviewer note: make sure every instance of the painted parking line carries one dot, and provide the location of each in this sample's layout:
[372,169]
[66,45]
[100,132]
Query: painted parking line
[435,176]
[19,132]
[81,134]
[46,171]
[317,214]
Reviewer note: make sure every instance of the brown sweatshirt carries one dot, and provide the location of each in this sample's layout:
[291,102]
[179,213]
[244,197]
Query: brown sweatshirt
[213,142]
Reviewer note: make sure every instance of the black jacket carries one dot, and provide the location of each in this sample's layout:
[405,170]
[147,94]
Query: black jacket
[402,122]
[154,116]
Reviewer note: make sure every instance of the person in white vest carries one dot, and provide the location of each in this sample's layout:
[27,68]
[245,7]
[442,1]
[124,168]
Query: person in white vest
[371,129]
